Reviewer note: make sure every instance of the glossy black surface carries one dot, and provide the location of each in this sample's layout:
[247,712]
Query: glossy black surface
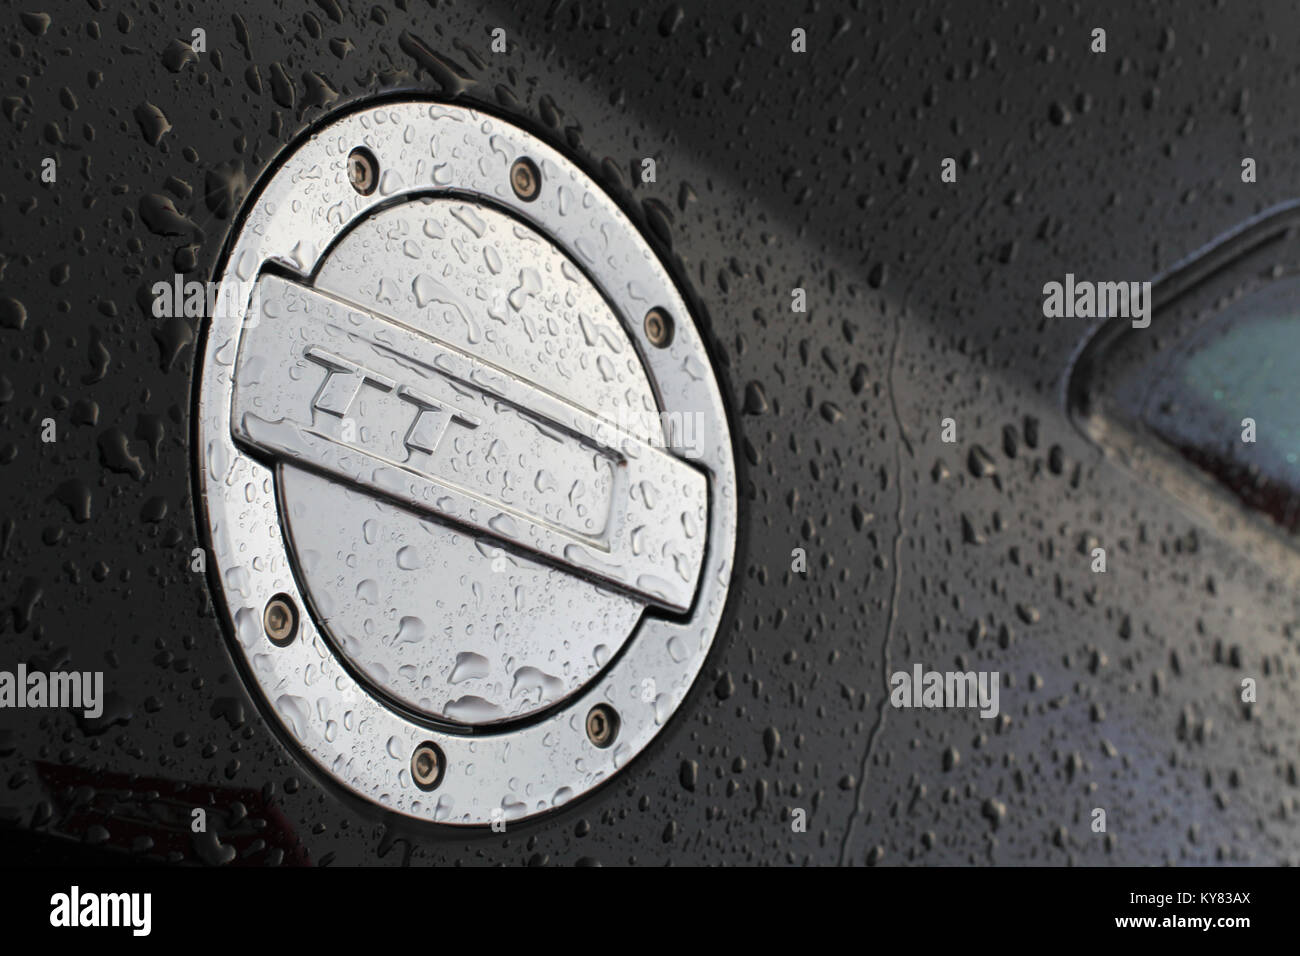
[774,170]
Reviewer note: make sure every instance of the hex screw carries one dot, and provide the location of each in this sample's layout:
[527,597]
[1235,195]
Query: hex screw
[602,725]
[525,179]
[363,170]
[427,765]
[659,327]
[280,619]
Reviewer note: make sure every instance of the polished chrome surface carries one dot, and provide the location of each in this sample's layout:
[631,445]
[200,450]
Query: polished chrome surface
[387,410]
[430,415]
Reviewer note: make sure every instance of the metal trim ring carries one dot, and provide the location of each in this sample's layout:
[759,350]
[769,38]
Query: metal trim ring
[354,737]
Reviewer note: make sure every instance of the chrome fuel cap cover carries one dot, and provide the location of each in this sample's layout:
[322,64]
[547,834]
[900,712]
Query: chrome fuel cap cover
[434,428]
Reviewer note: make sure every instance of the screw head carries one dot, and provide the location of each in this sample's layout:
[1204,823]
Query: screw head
[427,765]
[525,179]
[602,725]
[659,327]
[280,619]
[363,170]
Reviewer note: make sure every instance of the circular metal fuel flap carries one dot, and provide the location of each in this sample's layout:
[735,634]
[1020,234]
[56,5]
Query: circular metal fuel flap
[472,514]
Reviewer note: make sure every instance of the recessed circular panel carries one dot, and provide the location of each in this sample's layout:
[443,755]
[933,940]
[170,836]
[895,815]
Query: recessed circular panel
[434,419]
